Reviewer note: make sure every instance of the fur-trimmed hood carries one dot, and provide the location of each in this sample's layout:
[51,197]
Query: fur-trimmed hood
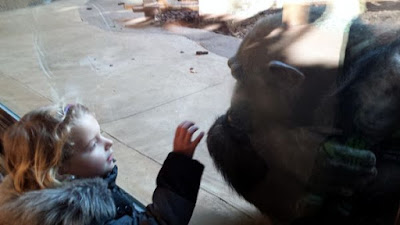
[79,202]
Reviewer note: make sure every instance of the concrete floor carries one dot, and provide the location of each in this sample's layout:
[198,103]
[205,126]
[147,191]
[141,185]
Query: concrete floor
[137,81]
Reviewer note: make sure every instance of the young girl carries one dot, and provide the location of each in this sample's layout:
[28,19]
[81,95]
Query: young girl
[61,170]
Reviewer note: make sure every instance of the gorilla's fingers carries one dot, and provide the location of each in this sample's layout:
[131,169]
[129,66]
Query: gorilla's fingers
[348,155]
[342,168]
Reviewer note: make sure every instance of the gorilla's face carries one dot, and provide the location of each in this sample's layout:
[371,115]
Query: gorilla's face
[261,109]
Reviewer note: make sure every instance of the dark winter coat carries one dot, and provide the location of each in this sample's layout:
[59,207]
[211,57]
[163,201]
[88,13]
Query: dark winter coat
[97,201]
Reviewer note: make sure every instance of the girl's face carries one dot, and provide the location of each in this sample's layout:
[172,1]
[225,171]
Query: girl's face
[92,155]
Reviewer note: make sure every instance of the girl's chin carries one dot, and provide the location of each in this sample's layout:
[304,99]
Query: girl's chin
[111,165]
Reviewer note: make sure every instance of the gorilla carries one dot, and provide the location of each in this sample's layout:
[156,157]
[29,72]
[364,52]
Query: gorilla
[308,141]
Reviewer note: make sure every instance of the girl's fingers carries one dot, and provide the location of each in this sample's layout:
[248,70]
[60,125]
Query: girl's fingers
[177,132]
[182,129]
[198,139]
[189,134]
[192,129]
[187,124]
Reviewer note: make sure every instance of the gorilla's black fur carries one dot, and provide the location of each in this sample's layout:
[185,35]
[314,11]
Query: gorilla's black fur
[367,106]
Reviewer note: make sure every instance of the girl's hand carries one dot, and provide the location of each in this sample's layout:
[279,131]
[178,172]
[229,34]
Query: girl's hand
[183,137]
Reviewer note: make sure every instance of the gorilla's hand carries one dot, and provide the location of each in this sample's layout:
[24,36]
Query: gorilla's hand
[342,168]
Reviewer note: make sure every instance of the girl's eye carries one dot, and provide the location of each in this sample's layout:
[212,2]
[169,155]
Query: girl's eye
[93,146]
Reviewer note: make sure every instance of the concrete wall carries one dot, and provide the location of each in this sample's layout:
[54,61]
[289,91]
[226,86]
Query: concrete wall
[245,8]
[241,8]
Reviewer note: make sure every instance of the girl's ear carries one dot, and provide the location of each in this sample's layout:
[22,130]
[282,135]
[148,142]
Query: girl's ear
[286,75]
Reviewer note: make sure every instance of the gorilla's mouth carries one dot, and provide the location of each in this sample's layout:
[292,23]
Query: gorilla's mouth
[236,130]
[233,154]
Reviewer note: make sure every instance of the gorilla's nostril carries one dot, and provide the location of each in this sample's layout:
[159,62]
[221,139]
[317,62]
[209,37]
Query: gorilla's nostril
[231,61]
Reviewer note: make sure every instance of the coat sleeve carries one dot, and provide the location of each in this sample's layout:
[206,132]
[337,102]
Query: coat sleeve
[178,184]
[174,199]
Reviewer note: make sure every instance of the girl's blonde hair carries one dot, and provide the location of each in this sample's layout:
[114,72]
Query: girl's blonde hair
[36,146]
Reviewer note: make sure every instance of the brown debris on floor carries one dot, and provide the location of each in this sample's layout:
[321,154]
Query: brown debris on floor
[201,52]
[172,16]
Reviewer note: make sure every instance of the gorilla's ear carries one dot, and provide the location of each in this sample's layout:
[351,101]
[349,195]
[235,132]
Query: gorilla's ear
[287,75]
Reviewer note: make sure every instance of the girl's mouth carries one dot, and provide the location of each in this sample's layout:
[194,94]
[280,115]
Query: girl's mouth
[111,158]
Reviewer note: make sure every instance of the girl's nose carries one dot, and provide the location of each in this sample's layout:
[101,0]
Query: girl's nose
[108,143]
